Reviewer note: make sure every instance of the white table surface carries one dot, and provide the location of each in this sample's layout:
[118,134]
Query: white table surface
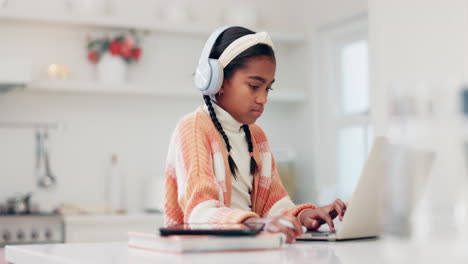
[384,250]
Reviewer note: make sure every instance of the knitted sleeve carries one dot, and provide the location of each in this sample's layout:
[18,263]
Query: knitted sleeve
[278,201]
[193,195]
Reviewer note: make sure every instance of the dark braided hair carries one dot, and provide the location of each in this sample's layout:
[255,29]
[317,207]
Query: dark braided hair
[223,41]
[232,164]
[248,136]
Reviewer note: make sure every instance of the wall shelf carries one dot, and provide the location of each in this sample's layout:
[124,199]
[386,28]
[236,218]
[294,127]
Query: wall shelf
[81,87]
[132,23]
[97,88]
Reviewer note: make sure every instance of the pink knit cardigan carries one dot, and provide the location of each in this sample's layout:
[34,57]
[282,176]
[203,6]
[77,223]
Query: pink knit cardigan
[198,180]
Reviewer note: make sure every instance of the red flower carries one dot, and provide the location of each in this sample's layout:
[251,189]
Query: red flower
[123,45]
[126,51]
[114,47]
[92,56]
[129,41]
[136,53]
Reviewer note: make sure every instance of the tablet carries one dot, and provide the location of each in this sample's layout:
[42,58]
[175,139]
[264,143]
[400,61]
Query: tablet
[249,229]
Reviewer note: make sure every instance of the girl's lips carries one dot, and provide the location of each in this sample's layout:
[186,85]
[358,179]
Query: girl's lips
[257,112]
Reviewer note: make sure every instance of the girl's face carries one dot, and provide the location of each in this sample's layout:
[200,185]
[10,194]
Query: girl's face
[244,95]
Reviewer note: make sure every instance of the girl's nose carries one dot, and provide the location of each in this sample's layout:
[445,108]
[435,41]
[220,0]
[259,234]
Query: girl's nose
[262,98]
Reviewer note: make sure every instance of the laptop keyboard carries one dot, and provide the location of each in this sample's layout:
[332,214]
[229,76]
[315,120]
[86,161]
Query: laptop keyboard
[320,233]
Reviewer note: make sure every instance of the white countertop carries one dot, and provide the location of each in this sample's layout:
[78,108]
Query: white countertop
[380,251]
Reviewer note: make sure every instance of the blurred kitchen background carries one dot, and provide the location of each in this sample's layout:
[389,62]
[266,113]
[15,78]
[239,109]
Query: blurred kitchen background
[83,139]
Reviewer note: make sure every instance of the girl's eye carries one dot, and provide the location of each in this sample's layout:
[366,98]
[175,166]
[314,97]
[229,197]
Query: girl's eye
[253,86]
[269,89]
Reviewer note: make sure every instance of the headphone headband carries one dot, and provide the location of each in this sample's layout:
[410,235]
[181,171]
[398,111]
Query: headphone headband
[241,44]
[205,55]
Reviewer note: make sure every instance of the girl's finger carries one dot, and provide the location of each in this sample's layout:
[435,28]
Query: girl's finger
[344,209]
[310,223]
[324,215]
[343,205]
[290,235]
[340,212]
[315,224]
[297,226]
[293,224]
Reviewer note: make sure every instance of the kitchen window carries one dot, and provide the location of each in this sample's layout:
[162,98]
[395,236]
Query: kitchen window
[343,115]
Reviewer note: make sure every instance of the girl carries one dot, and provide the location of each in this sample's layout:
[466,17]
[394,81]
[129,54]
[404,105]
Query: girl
[220,168]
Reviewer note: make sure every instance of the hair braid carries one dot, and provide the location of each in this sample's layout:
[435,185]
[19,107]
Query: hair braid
[232,164]
[248,136]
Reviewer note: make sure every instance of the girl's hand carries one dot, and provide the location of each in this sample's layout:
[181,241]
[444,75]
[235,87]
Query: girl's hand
[314,218]
[337,208]
[274,225]
[277,225]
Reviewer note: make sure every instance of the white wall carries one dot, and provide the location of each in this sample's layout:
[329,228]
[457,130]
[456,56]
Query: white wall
[417,41]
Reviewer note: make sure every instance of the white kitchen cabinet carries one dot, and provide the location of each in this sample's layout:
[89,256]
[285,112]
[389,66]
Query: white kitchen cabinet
[103,228]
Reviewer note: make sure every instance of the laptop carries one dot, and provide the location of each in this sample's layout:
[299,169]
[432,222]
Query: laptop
[362,217]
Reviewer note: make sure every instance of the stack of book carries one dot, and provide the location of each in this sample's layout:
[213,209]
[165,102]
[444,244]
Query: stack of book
[203,243]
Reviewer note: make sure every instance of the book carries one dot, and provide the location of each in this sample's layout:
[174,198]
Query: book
[178,244]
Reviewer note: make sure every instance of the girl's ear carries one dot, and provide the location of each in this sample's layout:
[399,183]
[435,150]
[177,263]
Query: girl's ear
[223,85]
[221,91]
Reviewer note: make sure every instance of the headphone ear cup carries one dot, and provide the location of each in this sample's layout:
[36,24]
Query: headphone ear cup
[217,76]
[202,77]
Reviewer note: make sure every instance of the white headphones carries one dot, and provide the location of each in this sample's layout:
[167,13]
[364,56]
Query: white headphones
[209,73]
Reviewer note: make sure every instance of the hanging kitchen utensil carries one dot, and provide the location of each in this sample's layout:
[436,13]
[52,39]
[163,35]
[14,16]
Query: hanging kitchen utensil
[39,169]
[45,177]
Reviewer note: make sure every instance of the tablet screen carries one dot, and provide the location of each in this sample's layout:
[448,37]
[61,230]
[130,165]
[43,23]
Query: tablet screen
[213,229]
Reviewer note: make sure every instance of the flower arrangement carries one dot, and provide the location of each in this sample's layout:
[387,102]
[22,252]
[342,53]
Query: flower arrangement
[125,45]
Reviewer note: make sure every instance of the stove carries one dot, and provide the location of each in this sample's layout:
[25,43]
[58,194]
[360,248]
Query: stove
[31,229]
